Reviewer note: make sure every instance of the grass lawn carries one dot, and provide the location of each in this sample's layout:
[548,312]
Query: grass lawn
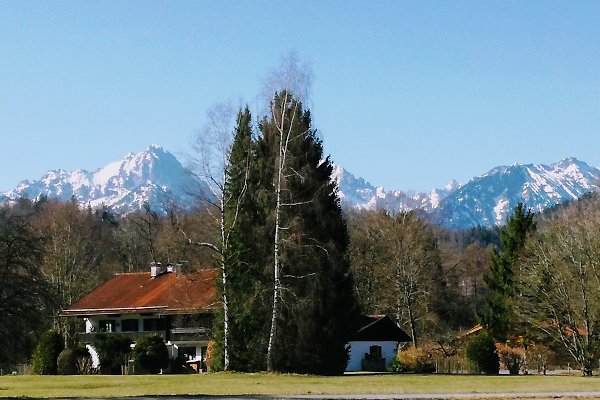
[274,384]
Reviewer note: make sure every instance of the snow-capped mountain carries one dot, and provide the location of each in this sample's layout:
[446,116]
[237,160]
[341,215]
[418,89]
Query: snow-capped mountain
[154,176]
[487,200]
[357,193]
[157,177]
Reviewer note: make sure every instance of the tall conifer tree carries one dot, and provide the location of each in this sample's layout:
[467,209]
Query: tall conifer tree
[313,302]
[248,289]
[496,316]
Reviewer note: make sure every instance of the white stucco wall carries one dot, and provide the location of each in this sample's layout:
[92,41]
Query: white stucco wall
[94,354]
[91,325]
[358,350]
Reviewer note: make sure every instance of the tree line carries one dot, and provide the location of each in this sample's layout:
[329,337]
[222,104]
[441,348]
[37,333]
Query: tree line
[52,253]
[532,284]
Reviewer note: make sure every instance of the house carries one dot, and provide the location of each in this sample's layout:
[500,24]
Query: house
[178,306]
[375,344]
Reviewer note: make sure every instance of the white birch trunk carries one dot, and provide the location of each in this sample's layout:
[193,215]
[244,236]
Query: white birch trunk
[224,243]
[284,138]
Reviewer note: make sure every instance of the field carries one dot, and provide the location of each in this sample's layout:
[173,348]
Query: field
[278,385]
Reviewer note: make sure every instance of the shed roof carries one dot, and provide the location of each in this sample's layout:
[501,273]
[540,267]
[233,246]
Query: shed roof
[379,328]
[169,293]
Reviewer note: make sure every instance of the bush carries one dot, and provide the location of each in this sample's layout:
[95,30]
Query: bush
[113,350]
[46,353]
[212,357]
[73,361]
[413,360]
[481,352]
[151,354]
[539,357]
[67,362]
[513,358]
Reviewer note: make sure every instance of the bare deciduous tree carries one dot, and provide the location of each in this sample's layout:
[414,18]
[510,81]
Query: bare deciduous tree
[559,282]
[212,146]
[406,260]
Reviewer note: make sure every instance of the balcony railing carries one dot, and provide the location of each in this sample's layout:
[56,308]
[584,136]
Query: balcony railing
[188,334]
[175,335]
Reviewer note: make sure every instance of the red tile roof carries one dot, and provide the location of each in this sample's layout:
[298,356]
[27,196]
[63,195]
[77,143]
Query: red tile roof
[169,293]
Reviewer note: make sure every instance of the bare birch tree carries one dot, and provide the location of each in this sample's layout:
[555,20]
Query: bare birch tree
[212,147]
[285,88]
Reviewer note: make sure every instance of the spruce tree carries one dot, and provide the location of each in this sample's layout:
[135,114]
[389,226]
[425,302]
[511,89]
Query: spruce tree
[496,316]
[247,251]
[313,301]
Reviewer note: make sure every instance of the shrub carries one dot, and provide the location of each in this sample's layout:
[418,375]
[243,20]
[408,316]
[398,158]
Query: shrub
[538,357]
[413,360]
[151,354]
[481,352]
[46,353]
[113,350]
[66,362]
[513,358]
[73,361]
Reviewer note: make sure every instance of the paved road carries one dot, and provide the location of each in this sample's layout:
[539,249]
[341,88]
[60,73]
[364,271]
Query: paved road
[402,396]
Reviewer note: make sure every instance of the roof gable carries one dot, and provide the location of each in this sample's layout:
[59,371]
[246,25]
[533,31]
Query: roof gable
[379,328]
[170,293]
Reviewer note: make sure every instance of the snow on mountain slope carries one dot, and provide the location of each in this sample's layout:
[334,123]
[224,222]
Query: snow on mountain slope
[488,200]
[154,176]
[357,193]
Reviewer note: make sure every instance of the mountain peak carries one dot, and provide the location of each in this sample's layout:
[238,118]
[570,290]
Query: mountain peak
[156,149]
[157,177]
[488,199]
[452,185]
[154,176]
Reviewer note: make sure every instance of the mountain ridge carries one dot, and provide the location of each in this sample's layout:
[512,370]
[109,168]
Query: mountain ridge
[538,186]
[156,177]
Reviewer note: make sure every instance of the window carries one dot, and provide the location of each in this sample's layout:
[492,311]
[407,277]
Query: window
[154,324]
[129,325]
[187,353]
[107,325]
[375,352]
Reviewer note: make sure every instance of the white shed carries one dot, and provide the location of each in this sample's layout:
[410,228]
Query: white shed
[375,344]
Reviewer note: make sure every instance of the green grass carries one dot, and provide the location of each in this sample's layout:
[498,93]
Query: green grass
[275,384]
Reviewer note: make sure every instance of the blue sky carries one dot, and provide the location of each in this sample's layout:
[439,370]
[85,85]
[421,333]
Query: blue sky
[407,94]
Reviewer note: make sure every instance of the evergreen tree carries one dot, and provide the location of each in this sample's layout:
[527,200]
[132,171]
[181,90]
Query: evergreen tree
[44,359]
[24,292]
[496,316]
[151,354]
[246,255]
[313,302]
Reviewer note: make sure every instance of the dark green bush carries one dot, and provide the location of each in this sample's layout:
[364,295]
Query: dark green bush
[151,354]
[482,354]
[113,350]
[43,361]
